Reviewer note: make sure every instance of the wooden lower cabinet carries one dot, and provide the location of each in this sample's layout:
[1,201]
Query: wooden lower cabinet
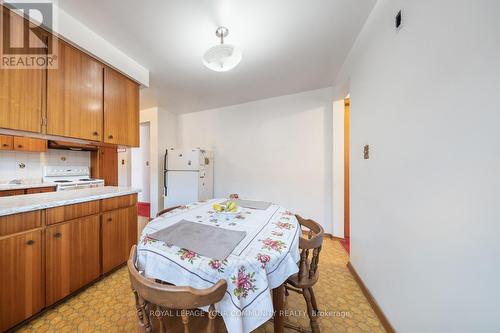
[21,278]
[72,256]
[46,255]
[119,234]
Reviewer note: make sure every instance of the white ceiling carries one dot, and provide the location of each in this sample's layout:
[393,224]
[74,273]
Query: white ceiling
[288,46]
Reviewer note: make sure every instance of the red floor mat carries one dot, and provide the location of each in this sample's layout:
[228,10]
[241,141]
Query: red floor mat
[144,209]
[346,244]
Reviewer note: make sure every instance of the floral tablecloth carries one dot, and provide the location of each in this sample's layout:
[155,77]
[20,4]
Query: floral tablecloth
[265,258]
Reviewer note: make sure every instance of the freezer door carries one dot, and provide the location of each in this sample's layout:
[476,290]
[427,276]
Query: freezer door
[183,159]
[181,188]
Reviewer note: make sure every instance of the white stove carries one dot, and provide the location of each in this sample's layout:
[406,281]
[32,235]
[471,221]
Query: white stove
[70,178]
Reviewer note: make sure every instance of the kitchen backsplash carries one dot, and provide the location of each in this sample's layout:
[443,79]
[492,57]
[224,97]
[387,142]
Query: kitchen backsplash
[10,162]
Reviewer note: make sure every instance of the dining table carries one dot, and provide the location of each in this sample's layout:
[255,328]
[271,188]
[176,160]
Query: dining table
[255,270]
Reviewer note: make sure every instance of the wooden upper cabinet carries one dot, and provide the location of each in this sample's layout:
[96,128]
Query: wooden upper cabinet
[20,89]
[21,279]
[75,95]
[121,109]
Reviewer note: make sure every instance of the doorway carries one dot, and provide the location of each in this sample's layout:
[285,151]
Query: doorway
[141,170]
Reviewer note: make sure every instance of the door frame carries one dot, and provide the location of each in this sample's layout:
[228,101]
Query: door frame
[347,212]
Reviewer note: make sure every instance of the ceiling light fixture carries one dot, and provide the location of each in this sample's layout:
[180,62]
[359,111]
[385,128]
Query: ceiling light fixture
[222,57]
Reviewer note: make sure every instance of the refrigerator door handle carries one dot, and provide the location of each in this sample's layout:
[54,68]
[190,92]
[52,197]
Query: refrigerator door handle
[165,160]
[165,182]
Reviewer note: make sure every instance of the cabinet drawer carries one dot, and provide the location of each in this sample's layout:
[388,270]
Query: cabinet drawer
[6,142]
[29,144]
[118,202]
[12,224]
[70,212]
[10,193]
[40,190]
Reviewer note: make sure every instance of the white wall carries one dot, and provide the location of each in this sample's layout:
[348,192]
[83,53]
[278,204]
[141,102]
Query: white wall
[140,159]
[124,167]
[277,149]
[425,231]
[163,134]
[34,163]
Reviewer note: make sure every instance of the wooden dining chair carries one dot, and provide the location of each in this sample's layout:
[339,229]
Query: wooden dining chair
[303,281]
[167,308]
[166,210]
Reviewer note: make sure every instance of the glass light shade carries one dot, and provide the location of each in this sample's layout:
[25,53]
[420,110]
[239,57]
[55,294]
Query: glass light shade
[222,57]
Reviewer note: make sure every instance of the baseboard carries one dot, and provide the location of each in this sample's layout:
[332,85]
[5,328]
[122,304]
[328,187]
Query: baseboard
[376,308]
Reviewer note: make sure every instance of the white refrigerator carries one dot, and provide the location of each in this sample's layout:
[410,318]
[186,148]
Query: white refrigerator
[188,176]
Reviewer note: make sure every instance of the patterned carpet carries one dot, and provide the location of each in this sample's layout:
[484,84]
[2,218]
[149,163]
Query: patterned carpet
[108,306]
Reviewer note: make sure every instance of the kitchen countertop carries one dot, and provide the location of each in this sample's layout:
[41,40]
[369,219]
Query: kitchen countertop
[24,186]
[31,202]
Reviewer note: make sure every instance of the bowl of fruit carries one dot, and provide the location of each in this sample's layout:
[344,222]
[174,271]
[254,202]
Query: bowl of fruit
[229,208]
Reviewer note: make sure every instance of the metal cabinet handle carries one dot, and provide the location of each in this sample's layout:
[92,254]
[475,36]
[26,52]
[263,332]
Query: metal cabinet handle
[30,242]
[5,145]
[19,146]
[110,137]
[95,133]
[57,235]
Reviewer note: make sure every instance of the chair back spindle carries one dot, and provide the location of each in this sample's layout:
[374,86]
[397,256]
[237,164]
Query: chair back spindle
[154,300]
[308,266]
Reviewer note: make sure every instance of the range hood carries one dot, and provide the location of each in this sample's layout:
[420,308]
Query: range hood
[72,146]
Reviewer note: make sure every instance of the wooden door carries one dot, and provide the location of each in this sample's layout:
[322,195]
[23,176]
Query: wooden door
[121,109]
[119,233]
[21,278]
[20,89]
[72,256]
[75,95]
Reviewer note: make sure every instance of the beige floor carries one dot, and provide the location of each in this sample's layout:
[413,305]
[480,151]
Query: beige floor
[108,306]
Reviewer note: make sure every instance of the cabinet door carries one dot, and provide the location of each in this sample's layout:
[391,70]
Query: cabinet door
[6,142]
[20,89]
[21,278]
[108,165]
[75,95]
[72,256]
[121,109]
[119,234]
[30,144]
